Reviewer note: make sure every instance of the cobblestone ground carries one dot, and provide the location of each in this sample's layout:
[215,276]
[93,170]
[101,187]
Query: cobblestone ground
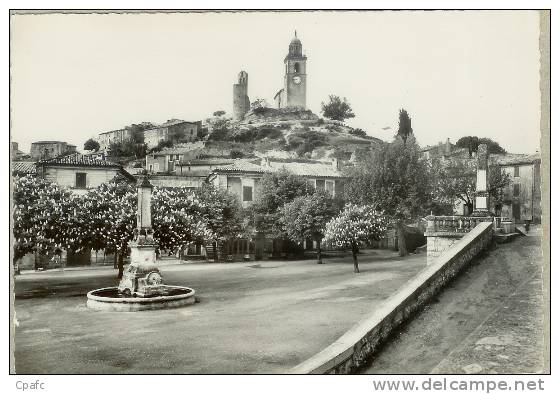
[489,320]
[257,317]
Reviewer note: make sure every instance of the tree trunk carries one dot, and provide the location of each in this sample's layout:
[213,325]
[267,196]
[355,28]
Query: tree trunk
[115,263]
[215,244]
[470,207]
[319,257]
[121,265]
[355,258]
[401,239]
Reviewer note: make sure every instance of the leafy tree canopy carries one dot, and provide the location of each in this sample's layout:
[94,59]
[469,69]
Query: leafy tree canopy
[355,225]
[392,177]
[306,216]
[405,125]
[337,108]
[275,190]
[472,143]
[91,144]
[456,180]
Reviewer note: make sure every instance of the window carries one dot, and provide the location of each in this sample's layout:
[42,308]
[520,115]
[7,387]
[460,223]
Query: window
[320,184]
[516,190]
[516,171]
[81,180]
[151,168]
[247,193]
[296,67]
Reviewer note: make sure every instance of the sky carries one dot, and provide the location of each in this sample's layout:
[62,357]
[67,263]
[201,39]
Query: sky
[457,73]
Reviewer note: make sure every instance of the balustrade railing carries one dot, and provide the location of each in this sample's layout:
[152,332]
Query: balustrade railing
[460,224]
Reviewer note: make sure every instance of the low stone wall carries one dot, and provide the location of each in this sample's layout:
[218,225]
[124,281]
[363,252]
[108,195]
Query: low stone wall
[437,244]
[357,346]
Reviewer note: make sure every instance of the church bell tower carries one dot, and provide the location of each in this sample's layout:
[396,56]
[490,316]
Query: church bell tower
[295,77]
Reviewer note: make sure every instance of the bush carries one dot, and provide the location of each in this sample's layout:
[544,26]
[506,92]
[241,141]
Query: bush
[358,133]
[269,133]
[236,154]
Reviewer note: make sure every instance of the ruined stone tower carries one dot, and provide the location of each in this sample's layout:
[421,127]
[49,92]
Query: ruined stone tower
[240,98]
[295,78]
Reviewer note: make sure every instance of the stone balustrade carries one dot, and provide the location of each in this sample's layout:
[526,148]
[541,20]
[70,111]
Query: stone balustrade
[459,225]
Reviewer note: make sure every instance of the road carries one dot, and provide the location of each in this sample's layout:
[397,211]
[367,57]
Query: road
[488,320]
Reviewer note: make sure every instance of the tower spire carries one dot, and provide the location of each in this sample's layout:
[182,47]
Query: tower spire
[295,33]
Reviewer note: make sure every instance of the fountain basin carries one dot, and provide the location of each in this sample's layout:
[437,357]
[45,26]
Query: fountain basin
[109,299]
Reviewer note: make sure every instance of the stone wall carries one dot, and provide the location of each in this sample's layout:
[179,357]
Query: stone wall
[436,245]
[356,347]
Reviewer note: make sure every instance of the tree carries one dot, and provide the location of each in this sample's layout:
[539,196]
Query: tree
[306,217]
[221,212]
[110,214]
[355,225]
[177,218]
[259,103]
[394,178]
[337,109]
[472,142]
[219,127]
[358,132]
[91,144]
[127,149]
[275,190]
[219,113]
[405,125]
[44,217]
[457,181]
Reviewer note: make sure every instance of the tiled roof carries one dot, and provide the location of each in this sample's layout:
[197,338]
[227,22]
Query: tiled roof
[315,169]
[243,166]
[172,122]
[48,142]
[77,159]
[506,159]
[211,161]
[24,167]
[309,169]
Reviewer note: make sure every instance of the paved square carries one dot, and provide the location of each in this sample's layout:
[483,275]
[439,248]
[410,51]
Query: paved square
[256,317]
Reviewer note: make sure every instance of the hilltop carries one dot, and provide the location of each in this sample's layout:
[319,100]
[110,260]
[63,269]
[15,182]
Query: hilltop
[289,133]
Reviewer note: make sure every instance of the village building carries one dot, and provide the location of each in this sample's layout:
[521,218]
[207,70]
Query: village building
[174,130]
[49,149]
[79,172]
[242,177]
[107,138]
[522,197]
[165,160]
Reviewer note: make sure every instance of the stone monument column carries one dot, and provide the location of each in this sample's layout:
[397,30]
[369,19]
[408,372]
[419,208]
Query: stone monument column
[481,194]
[142,248]
[144,212]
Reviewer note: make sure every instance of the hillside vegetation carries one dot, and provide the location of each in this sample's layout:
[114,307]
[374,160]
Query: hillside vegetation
[289,134]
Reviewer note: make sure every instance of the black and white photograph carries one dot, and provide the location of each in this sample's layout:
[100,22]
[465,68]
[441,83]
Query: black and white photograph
[224,192]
